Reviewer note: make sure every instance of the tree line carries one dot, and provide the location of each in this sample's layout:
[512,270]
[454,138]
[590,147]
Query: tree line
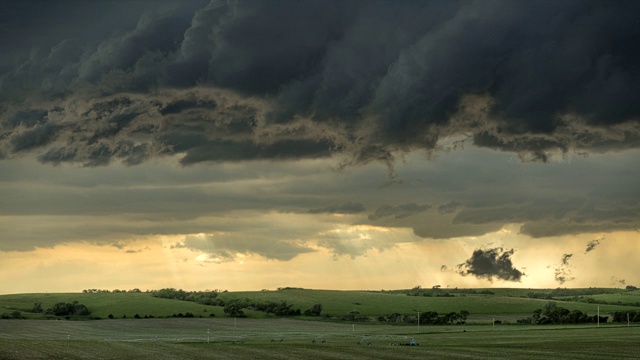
[554,314]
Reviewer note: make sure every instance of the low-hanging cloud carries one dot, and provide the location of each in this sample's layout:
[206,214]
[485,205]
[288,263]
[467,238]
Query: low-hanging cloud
[398,212]
[227,248]
[344,208]
[362,79]
[449,207]
[491,263]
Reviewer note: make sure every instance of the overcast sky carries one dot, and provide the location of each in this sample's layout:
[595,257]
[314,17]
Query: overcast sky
[249,145]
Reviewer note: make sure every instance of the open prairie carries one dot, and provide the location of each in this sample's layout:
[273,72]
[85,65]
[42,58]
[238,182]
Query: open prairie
[293,339]
[503,304]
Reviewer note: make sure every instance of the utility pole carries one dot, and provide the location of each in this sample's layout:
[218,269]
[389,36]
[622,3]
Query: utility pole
[418,321]
[598,315]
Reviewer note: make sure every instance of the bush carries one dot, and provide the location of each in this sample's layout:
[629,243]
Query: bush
[315,310]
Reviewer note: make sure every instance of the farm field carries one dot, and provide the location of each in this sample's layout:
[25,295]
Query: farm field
[506,305]
[376,303]
[260,338]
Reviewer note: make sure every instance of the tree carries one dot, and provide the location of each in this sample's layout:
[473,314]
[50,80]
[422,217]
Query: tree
[67,309]
[463,316]
[233,309]
[315,310]
[37,308]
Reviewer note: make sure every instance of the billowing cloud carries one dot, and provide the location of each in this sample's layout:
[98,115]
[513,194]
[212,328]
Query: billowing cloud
[489,264]
[271,127]
[236,81]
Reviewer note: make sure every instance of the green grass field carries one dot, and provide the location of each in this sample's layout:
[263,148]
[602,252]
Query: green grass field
[504,304]
[265,337]
[252,339]
[103,304]
[508,303]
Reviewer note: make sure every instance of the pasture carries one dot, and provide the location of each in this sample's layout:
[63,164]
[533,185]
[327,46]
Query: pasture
[505,304]
[227,338]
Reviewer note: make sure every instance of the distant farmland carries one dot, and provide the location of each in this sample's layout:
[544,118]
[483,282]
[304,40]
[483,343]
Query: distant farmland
[141,326]
[505,304]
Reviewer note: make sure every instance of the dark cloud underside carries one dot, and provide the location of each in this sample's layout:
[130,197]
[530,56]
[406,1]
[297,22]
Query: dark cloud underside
[292,80]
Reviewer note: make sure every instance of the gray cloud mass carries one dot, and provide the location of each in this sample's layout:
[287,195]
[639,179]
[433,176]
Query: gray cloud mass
[398,212]
[344,208]
[489,264]
[233,81]
[112,95]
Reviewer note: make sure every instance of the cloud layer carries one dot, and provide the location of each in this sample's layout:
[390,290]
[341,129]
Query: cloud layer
[242,80]
[269,129]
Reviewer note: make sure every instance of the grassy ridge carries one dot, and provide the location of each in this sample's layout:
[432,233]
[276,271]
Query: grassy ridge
[104,304]
[376,303]
[503,302]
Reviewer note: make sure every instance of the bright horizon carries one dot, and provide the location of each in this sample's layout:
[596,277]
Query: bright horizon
[471,144]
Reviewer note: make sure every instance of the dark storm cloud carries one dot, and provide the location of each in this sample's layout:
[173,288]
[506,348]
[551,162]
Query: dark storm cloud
[398,212]
[363,79]
[36,137]
[490,264]
[344,208]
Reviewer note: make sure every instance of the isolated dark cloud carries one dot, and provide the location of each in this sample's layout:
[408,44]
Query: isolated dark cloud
[563,272]
[489,264]
[615,281]
[565,259]
[591,245]
[291,80]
